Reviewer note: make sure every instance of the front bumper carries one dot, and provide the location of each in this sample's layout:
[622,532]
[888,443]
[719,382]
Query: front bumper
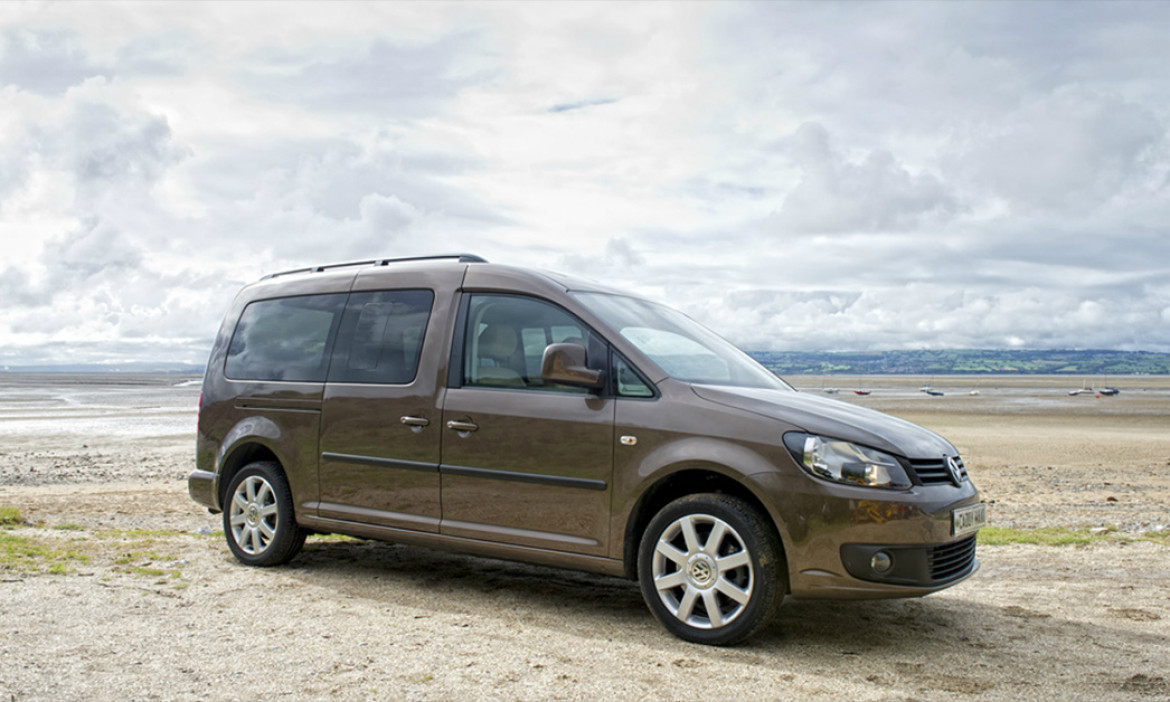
[920,566]
[832,532]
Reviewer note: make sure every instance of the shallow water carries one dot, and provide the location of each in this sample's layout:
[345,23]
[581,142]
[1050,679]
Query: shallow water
[98,404]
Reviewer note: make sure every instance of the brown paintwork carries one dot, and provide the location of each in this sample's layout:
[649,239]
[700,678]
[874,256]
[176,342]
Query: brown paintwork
[545,477]
[549,435]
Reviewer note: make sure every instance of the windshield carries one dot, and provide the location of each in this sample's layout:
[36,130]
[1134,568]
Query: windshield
[680,346]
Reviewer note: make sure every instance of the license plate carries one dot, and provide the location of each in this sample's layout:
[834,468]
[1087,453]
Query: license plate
[967,520]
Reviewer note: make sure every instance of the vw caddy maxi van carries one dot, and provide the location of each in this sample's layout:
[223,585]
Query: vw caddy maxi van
[492,410]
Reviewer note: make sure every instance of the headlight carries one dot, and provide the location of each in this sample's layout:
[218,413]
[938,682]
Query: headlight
[846,462]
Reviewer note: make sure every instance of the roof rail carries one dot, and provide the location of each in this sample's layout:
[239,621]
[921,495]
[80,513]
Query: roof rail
[462,258]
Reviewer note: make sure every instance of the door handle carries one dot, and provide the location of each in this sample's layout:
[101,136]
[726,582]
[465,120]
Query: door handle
[462,427]
[415,421]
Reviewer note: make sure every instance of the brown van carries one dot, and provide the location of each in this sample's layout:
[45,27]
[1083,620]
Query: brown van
[504,412]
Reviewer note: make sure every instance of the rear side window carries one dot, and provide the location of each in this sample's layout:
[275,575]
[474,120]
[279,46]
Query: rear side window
[381,337]
[285,339]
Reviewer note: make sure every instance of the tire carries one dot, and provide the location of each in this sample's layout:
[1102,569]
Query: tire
[711,569]
[258,519]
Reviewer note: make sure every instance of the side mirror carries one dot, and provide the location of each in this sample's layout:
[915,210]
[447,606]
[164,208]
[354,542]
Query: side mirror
[565,364]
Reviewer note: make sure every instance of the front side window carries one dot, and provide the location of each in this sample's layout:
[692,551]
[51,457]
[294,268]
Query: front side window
[381,337]
[284,339]
[506,336]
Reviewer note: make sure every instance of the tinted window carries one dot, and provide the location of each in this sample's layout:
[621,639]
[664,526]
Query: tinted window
[506,337]
[284,339]
[381,337]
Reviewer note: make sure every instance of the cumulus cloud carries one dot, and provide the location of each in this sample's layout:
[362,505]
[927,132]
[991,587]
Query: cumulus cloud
[92,249]
[1073,149]
[96,145]
[104,144]
[932,316]
[875,193]
[618,258]
[46,62]
[397,80]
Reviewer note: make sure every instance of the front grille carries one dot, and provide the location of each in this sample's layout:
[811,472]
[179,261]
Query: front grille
[934,471]
[950,561]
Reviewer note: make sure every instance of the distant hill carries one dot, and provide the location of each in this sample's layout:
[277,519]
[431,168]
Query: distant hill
[965,361]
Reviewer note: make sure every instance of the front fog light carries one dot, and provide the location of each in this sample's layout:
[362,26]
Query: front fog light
[881,562]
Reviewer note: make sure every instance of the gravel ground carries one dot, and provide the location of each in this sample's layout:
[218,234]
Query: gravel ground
[147,603]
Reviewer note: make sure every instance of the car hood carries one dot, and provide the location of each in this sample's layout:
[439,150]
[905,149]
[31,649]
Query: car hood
[833,418]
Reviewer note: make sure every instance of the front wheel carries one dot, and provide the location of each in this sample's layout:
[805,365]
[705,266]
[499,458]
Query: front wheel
[711,570]
[258,521]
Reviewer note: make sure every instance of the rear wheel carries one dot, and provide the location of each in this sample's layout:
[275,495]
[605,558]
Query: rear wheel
[711,570]
[258,519]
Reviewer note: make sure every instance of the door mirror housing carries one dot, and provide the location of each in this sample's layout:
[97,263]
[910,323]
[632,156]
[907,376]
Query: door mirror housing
[565,364]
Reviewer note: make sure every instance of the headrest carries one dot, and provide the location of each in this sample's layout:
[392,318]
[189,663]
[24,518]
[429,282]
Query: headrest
[497,341]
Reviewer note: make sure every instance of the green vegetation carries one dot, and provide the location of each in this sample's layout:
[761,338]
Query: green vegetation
[1057,536]
[966,361]
[43,550]
[147,556]
[146,534]
[153,572]
[26,555]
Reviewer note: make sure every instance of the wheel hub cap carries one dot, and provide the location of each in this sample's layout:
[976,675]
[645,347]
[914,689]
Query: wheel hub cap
[253,515]
[701,570]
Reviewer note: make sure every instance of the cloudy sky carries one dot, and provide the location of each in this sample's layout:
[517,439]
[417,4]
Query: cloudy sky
[797,176]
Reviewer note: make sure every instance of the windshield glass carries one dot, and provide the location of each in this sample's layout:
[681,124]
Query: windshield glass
[680,346]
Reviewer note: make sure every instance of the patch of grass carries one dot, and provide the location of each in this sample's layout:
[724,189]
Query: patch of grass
[1059,536]
[145,557]
[10,517]
[26,555]
[146,564]
[69,527]
[141,534]
[1161,538]
[152,572]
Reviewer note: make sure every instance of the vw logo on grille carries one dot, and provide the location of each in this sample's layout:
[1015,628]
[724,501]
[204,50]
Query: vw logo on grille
[955,470]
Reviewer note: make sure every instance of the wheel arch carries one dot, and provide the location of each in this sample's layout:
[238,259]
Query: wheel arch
[689,479]
[241,455]
[252,438]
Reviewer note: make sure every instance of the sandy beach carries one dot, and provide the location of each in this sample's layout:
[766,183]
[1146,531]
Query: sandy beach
[116,586]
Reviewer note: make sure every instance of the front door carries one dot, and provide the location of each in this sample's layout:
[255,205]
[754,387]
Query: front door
[524,462]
